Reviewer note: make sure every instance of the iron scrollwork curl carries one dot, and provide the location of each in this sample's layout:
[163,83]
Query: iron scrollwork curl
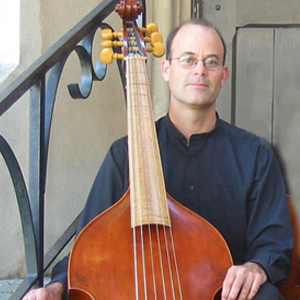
[23,205]
[89,72]
[89,75]
[50,65]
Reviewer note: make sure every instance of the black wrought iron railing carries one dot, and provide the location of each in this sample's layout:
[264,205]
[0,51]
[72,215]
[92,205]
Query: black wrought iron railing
[42,80]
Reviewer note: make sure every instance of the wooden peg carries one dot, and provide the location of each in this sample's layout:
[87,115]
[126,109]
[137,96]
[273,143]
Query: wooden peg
[151,27]
[108,34]
[158,49]
[110,44]
[107,55]
[156,37]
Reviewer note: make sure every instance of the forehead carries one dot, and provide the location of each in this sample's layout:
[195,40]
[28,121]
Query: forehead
[197,39]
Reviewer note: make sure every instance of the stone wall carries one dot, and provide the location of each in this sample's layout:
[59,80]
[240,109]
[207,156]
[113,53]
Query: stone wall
[82,130]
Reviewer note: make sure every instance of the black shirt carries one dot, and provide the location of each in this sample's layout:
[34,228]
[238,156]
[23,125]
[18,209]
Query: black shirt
[228,176]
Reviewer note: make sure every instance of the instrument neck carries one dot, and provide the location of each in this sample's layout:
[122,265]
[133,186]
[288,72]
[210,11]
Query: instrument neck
[147,188]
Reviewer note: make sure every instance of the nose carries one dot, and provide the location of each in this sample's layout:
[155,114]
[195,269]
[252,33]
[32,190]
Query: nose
[200,68]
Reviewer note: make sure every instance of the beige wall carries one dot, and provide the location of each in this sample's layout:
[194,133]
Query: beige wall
[82,130]
[14,126]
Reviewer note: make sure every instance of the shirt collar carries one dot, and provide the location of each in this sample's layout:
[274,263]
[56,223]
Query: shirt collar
[175,133]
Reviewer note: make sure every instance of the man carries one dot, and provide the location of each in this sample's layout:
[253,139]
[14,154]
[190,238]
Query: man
[225,174]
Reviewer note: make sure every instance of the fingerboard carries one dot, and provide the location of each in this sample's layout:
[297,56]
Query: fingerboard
[147,188]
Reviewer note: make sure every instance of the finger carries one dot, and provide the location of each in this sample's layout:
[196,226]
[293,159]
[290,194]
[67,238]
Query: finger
[236,287]
[30,296]
[254,288]
[38,294]
[42,294]
[245,290]
[227,284]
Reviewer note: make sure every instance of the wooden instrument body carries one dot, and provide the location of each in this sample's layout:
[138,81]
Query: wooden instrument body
[102,263]
[146,246]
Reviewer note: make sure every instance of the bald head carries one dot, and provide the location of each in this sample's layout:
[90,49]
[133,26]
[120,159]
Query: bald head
[199,22]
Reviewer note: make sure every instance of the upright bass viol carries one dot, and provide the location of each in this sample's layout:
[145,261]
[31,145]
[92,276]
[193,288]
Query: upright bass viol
[147,246]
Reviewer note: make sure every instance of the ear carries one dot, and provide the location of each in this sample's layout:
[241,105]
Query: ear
[165,69]
[225,76]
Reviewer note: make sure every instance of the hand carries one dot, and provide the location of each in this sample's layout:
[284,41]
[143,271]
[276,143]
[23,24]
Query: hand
[243,282]
[53,291]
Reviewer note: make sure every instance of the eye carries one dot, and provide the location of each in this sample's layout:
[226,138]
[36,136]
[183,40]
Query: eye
[187,60]
[212,61]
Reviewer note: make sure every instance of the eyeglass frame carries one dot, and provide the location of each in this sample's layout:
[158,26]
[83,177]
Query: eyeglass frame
[197,60]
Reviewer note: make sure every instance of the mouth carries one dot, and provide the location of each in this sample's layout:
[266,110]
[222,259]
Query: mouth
[198,85]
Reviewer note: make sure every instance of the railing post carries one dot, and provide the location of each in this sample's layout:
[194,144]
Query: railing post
[37,169]
[31,196]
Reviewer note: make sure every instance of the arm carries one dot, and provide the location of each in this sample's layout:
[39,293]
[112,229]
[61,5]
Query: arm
[53,291]
[269,234]
[243,281]
[109,186]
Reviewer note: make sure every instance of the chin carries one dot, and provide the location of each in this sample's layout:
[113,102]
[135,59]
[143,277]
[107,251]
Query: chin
[201,102]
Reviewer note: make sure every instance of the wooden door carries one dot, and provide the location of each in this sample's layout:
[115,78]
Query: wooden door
[263,92]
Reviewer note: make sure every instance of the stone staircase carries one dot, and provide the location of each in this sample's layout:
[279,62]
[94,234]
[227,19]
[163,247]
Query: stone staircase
[7,287]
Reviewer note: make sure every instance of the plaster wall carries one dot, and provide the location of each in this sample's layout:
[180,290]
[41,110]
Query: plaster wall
[14,127]
[82,130]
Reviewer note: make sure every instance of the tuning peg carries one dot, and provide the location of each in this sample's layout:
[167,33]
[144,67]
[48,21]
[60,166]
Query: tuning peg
[110,44]
[156,40]
[107,55]
[108,34]
[158,49]
[156,37]
[151,27]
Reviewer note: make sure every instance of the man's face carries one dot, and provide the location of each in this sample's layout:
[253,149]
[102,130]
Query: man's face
[196,87]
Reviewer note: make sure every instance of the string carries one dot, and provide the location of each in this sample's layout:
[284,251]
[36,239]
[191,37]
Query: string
[169,263]
[161,262]
[130,130]
[141,79]
[136,110]
[152,263]
[136,282]
[165,239]
[140,206]
[176,266]
[155,178]
[164,230]
[133,136]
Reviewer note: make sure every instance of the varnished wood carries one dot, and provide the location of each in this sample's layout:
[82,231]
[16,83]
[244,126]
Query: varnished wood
[147,245]
[290,290]
[104,267]
[148,194]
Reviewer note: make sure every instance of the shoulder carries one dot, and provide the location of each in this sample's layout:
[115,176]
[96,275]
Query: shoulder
[118,152]
[161,122]
[119,144]
[243,139]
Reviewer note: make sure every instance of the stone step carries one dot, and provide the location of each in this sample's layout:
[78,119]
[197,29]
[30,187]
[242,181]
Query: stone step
[8,286]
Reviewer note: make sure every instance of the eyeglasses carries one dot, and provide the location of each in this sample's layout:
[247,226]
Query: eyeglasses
[188,61]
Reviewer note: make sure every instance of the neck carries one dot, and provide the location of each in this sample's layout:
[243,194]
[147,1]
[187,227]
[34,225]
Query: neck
[148,202]
[193,121]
